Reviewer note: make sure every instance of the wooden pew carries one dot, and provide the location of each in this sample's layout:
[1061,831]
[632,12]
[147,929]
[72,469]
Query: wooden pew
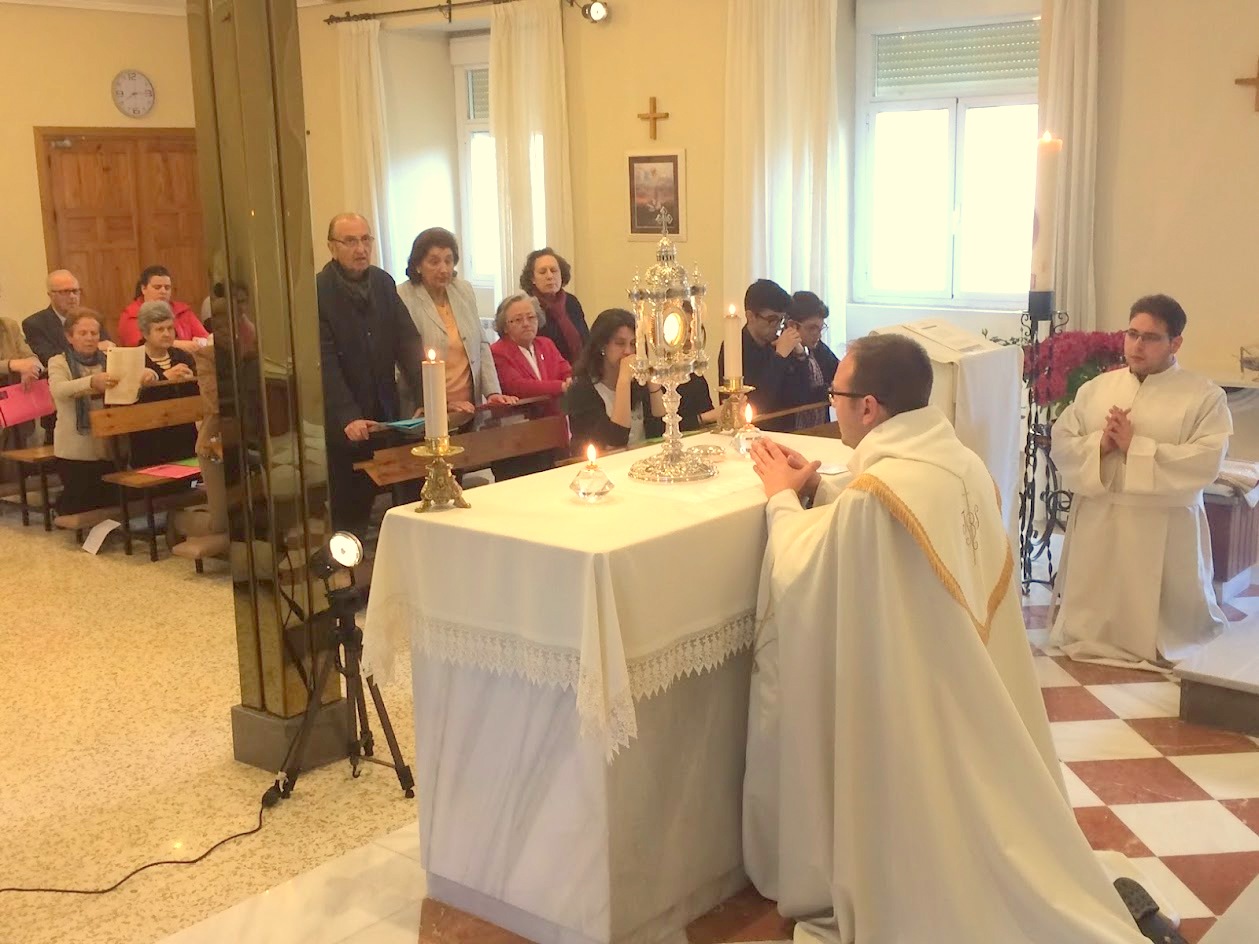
[483,446]
[138,417]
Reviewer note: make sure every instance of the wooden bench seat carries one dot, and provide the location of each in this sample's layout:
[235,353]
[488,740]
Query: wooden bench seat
[83,521]
[149,487]
[37,460]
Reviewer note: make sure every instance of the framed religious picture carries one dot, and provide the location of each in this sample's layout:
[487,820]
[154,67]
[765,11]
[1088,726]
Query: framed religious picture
[657,194]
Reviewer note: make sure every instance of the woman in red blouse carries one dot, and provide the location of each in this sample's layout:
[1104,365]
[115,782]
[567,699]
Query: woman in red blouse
[528,364]
[155,286]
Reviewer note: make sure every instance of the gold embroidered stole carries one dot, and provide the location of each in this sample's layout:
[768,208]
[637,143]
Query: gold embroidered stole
[878,489]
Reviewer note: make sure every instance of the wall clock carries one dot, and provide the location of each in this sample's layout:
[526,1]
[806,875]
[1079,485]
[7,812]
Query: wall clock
[133,93]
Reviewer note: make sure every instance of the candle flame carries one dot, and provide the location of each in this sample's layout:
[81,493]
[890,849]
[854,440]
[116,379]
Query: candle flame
[731,310]
[1046,137]
[747,413]
[432,355]
[590,453]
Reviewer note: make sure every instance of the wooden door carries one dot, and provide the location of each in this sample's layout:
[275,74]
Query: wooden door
[117,200]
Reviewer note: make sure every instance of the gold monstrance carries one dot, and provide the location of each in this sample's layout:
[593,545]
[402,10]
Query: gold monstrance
[669,337]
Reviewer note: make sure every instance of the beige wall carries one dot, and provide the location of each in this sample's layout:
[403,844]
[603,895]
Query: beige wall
[65,82]
[1178,147]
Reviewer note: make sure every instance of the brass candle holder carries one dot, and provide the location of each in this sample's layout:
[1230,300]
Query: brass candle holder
[440,488]
[730,420]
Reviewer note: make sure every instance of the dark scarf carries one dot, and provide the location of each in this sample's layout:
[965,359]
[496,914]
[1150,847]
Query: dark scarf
[359,290]
[557,311]
[83,405]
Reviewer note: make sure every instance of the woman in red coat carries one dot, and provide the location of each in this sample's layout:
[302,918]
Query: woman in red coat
[155,286]
[528,365]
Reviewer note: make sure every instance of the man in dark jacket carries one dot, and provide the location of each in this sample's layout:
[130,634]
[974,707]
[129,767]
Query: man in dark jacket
[364,332]
[771,354]
[45,330]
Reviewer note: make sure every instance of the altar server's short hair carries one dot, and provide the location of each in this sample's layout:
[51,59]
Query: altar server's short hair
[1166,309]
[893,369]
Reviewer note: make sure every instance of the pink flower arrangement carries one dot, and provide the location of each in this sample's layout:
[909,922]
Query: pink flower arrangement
[1067,361]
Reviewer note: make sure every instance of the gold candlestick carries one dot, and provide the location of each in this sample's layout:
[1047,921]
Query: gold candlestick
[440,488]
[731,418]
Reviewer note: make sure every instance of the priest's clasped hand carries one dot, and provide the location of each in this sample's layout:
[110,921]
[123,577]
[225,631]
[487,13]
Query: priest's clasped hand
[781,468]
[1117,433]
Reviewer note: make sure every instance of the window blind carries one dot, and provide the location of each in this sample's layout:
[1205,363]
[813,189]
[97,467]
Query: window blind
[479,94]
[997,57]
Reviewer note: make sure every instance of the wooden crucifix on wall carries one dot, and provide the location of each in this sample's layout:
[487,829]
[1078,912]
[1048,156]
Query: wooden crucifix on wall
[1253,80]
[652,115]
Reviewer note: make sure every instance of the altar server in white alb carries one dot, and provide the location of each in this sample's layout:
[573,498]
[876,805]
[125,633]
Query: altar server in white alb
[1137,447]
[901,784]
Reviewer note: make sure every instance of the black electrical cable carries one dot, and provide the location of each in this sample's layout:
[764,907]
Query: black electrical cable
[269,799]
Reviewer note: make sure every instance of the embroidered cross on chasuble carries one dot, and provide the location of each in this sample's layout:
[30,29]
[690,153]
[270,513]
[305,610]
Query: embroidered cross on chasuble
[877,488]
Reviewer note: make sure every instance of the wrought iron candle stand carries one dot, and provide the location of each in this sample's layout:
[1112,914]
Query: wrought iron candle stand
[1050,498]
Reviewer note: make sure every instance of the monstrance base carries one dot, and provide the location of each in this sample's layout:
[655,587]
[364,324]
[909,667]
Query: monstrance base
[663,468]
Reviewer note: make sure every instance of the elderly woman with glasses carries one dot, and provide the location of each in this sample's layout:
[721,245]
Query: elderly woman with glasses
[169,373]
[443,307]
[528,364]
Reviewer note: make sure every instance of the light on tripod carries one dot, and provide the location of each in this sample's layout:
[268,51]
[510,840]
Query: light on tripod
[595,12]
[343,550]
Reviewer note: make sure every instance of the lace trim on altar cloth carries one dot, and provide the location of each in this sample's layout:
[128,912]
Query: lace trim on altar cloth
[607,716]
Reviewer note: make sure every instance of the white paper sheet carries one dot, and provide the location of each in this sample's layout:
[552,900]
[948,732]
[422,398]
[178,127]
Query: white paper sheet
[127,364]
[96,537]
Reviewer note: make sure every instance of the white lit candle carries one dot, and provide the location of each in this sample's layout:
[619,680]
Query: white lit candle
[732,338]
[747,414]
[590,455]
[433,373]
[1045,222]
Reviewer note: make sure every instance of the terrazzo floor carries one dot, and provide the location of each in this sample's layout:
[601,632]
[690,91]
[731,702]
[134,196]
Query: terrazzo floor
[119,678]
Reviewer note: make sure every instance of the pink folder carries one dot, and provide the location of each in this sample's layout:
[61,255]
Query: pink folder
[17,405]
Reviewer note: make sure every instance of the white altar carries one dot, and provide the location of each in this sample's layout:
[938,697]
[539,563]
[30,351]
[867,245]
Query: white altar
[581,679]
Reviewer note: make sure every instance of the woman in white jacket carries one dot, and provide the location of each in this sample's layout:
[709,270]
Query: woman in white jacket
[443,307]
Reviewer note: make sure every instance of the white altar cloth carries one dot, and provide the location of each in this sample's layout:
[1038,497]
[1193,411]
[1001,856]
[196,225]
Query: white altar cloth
[526,819]
[615,601]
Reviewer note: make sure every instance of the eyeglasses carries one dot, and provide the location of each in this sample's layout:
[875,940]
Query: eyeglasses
[849,394]
[523,319]
[67,291]
[353,242]
[1144,336]
[768,319]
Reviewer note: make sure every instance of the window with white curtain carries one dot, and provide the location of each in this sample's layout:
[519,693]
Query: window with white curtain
[478,174]
[947,165]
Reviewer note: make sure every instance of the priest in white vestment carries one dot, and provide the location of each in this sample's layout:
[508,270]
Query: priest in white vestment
[901,784]
[1137,447]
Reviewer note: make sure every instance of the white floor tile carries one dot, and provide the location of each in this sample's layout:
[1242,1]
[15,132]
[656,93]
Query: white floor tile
[1185,902]
[1051,675]
[401,927]
[326,905]
[1111,739]
[404,841]
[1224,776]
[1140,699]
[1053,651]
[1194,828]
[1078,792]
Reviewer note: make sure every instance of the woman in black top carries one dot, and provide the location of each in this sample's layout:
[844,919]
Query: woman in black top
[163,361]
[545,276]
[605,407]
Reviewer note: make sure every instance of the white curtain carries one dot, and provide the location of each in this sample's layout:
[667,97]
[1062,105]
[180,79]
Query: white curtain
[529,123]
[1069,111]
[789,100]
[364,139]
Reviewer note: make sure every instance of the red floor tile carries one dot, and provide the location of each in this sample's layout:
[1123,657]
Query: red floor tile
[442,924]
[1149,780]
[1216,879]
[1090,673]
[1104,830]
[1251,591]
[745,917]
[1245,810]
[1192,929]
[1233,613]
[1067,703]
[1176,738]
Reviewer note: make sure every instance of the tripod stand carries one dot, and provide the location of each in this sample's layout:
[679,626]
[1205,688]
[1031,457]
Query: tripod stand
[347,638]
